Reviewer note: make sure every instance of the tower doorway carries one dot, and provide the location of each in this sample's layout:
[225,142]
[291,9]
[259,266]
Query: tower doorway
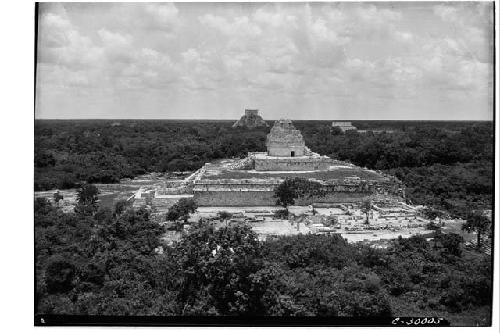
[292,154]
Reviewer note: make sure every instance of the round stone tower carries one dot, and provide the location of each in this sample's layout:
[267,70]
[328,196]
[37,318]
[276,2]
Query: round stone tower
[284,140]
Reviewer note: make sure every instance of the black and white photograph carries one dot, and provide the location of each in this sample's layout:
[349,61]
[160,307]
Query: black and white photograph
[264,164]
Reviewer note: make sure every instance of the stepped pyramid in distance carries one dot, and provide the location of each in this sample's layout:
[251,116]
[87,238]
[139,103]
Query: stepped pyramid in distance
[251,119]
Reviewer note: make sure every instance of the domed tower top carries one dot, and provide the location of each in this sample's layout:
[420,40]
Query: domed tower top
[284,140]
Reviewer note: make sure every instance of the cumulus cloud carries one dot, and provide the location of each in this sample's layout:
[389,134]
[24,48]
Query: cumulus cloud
[61,43]
[446,13]
[117,47]
[114,39]
[239,26]
[346,55]
[152,18]
[148,68]
[471,26]
[163,16]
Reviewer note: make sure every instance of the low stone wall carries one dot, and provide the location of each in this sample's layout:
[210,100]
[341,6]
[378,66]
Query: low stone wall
[291,164]
[161,203]
[345,197]
[235,198]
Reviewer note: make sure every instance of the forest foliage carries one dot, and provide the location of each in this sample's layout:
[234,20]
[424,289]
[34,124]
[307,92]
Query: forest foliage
[101,261]
[108,263]
[448,165]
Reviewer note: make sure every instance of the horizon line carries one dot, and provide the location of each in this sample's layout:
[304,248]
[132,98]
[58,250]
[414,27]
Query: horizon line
[235,119]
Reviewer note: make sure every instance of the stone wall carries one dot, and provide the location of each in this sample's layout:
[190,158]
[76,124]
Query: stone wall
[291,164]
[285,151]
[346,197]
[266,198]
[161,203]
[236,185]
[235,198]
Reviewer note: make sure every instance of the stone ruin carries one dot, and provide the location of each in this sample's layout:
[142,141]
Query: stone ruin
[286,151]
[251,119]
[284,140]
[251,181]
[344,126]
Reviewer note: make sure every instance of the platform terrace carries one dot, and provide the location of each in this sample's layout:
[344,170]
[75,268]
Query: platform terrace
[221,170]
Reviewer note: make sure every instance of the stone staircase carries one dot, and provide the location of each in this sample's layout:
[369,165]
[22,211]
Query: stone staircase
[244,164]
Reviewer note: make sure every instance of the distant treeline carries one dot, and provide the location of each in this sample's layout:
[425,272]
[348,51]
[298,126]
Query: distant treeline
[446,164]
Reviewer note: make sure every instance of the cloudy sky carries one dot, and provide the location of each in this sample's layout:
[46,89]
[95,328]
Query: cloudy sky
[294,60]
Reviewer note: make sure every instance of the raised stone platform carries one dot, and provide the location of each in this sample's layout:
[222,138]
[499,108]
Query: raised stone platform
[221,184]
[252,181]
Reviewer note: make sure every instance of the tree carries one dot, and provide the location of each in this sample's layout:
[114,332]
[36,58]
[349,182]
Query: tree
[281,214]
[179,165]
[42,206]
[87,194]
[336,131]
[451,242]
[149,199]
[366,207]
[224,216]
[87,199]
[285,194]
[59,275]
[104,215]
[57,197]
[432,213]
[121,206]
[181,210]
[44,159]
[216,267]
[477,222]
[295,188]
